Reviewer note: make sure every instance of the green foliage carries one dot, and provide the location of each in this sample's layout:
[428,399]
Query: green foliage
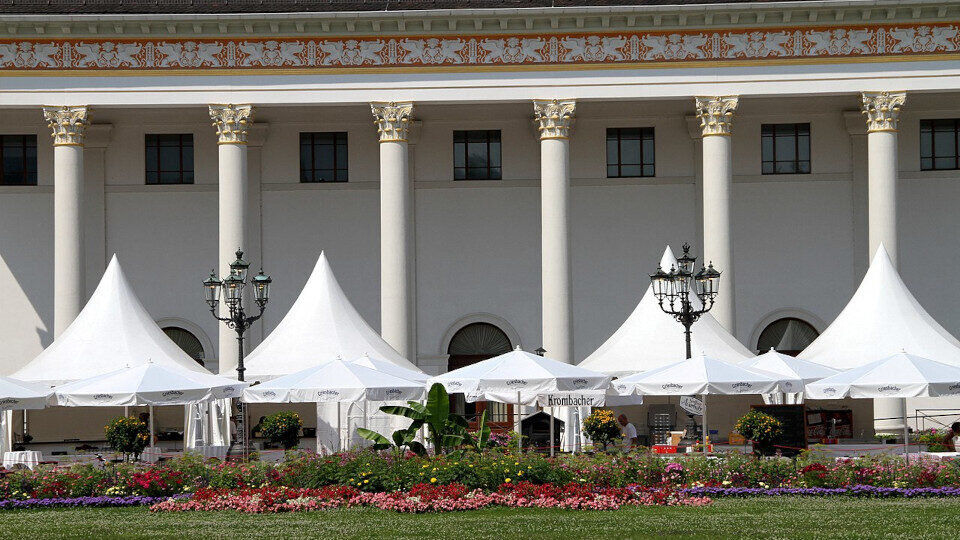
[445,430]
[479,441]
[933,438]
[127,435]
[284,428]
[601,427]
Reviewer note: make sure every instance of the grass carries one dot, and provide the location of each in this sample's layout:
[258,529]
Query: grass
[726,518]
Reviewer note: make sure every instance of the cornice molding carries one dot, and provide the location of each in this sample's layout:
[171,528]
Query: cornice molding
[480,51]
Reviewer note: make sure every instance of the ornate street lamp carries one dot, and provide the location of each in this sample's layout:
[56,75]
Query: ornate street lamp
[673,289]
[230,289]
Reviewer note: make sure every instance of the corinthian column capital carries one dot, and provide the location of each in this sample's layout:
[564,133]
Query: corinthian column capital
[392,119]
[883,110]
[716,114]
[554,117]
[69,124]
[232,122]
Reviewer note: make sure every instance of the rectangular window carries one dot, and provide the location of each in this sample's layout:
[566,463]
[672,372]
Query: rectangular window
[785,148]
[18,160]
[630,152]
[940,144]
[169,158]
[323,157]
[476,155]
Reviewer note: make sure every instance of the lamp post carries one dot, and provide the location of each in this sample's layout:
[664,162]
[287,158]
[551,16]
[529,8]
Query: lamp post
[673,289]
[231,288]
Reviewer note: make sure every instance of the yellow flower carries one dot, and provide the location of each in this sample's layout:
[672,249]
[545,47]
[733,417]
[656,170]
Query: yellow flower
[366,481]
[433,480]
[507,480]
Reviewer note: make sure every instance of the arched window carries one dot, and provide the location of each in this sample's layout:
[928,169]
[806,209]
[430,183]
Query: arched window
[186,341]
[471,344]
[788,336]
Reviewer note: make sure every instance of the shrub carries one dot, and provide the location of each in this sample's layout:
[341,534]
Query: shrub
[127,435]
[601,427]
[284,428]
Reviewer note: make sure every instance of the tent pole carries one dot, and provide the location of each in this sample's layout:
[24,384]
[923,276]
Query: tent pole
[706,432]
[339,430]
[906,433]
[365,413]
[551,429]
[517,422]
[150,412]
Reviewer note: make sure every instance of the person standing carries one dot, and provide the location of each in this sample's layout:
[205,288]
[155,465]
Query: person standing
[949,440]
[628,433]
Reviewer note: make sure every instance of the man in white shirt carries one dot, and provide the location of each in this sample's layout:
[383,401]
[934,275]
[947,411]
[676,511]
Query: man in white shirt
[628,432]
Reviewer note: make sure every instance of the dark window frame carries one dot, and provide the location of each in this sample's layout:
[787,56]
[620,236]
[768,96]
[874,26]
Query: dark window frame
[491,171]
[313,139]
[645,134]
[151,143]
[771,131]
[928,128]
[28,174]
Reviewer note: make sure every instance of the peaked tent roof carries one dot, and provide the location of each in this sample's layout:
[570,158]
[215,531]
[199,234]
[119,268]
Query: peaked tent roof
[321,325]
[113,331]
[650,338]
[899,376]
[882,319]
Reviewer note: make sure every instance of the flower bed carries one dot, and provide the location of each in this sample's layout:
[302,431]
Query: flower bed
[853,491]
[67,502]
[423,498]
[370,472]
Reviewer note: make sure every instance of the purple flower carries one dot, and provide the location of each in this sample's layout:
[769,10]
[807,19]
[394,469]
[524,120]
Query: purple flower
[64,502]
[855,491]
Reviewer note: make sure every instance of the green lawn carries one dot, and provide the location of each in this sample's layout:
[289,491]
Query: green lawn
[727,518]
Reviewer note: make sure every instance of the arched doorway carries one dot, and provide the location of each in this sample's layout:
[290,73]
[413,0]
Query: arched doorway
[788,335]
[469,345]
[187,341]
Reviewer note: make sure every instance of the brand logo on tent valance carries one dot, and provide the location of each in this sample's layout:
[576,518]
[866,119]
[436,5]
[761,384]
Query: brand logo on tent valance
[829,391]
[786,385]
[102,397]
[673,386]
[328,393]
[954,388]
[172,393]
[889,389]
[269,393]
[517,383]
[8,401]
[579,383]
[393,392]
[741,386]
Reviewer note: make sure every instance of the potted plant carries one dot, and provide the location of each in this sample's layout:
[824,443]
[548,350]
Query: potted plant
[127,435]
[762,429]
[283,428]
[601,427]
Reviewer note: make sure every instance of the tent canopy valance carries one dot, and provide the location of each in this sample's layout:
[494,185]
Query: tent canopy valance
[321,325]
[112,332]
[650,338]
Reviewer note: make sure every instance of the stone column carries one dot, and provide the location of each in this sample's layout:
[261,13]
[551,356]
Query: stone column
[233,124]
[716,119]
[69,126]
[882,110]
[396,226]
[555,121]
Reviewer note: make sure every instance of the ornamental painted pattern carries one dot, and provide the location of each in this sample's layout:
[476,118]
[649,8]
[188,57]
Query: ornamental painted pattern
[482,50]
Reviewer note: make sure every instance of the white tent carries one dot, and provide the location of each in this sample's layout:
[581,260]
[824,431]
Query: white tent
[147,384]
[524,378]
[788,366]
[650,338]
[880,320]
[112,332]
[17,395]
[322,324]
[901,376]
[705,375]
[336,382]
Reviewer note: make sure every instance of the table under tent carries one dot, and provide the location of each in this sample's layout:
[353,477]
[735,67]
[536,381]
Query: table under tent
[112,332]
[321,326]
[883,319]
[650,339]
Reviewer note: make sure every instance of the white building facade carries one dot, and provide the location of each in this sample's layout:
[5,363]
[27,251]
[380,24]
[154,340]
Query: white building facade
[522,168]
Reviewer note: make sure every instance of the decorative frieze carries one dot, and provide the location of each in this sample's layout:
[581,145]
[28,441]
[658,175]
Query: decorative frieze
[716,114]
[69,124]
[232,122]
[392,119]
[554,117]
[883,110]
[520,49]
